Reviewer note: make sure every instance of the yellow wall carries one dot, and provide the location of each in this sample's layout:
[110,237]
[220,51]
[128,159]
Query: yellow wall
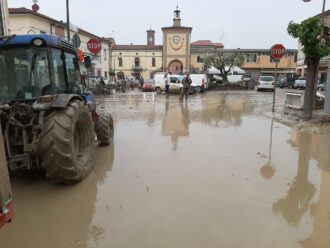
[176,49]
[263,62]
[193,61]
[128,57]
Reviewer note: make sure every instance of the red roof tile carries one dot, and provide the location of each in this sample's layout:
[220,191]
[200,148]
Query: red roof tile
[206,43]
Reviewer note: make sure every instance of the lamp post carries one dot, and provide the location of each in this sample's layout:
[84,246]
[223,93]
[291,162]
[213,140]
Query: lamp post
[323,9]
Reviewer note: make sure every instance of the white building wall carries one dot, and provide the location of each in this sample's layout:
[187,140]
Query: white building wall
[30,24]
[5,16]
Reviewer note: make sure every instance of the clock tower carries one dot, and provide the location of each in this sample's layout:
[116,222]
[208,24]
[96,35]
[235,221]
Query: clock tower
[176,46]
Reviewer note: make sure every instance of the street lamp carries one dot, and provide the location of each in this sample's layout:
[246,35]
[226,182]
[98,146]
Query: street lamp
[323,9]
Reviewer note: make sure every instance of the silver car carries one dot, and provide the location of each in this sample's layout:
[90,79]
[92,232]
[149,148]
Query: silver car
[300,83]
[266,83]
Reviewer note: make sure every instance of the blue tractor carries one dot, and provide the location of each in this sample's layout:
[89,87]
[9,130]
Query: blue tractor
[48,117]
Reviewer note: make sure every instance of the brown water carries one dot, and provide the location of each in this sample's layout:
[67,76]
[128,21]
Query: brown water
[216,172]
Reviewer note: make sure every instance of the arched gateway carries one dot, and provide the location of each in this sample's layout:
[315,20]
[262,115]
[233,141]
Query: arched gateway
[175,67]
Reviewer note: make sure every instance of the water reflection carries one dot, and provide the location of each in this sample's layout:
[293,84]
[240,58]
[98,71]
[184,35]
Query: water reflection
[320,212]
[223,111]
[268,170]
[66,211]
[295,204]
[176,122]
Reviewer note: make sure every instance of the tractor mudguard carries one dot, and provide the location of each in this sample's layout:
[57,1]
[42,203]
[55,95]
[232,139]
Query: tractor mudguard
[62,100]
[55,101]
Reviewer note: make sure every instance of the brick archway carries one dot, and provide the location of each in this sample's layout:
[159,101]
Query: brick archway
[176,67]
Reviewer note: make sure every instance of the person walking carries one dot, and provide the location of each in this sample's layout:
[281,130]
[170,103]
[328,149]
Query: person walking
[186,82]
[167,85]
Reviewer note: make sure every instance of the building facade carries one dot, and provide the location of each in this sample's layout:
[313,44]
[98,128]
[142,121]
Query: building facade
[258,62]
[25,21]
[177,54]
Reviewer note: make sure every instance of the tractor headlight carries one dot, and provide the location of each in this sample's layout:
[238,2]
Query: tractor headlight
[38,42]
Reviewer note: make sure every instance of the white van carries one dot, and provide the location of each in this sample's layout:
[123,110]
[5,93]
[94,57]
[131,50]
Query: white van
[234,77]
[199,81]
[175,83]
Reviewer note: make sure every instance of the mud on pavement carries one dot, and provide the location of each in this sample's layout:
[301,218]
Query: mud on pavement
[215,172]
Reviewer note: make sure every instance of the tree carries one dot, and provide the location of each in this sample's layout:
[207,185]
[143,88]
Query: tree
[314,38]
[224,62]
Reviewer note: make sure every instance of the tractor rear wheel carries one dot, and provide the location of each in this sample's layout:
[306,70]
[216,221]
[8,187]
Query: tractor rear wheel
[67,143]
[104,129]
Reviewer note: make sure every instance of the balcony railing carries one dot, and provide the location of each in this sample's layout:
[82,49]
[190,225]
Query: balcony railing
[137,68]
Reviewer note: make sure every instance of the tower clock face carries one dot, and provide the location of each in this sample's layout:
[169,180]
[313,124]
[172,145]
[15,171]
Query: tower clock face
[176,39]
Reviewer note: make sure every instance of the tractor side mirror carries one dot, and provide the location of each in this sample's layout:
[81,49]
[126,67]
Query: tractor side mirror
[88,62]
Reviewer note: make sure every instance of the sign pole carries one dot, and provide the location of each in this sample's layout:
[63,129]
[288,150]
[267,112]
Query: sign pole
[68,19]
[276,52]
[274,95]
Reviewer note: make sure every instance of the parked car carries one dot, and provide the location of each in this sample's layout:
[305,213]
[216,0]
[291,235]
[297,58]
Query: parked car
[300,83]
[149,85]
[175,83]
[284,83]
[266,83]
[321,87]
[199,81]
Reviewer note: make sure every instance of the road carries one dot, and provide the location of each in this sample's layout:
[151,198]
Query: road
[215,172]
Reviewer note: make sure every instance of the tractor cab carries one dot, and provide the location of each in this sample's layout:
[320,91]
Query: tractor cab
[37,65]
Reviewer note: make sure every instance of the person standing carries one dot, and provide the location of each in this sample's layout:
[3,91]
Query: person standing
[186,82]
[141,82]
[167,85]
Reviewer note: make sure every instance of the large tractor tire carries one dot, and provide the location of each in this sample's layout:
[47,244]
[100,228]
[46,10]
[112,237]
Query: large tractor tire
[67,143]
[104,129]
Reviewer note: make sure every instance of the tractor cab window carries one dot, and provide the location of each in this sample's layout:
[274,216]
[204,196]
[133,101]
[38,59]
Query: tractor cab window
[23,73]
[72,68]
[58,67]
[63,61]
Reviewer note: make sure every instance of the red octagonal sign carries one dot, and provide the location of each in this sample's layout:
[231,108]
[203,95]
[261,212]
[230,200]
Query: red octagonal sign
[94,46]
[277,51]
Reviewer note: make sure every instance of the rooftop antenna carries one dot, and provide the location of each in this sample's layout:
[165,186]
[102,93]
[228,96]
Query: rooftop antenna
[222,34]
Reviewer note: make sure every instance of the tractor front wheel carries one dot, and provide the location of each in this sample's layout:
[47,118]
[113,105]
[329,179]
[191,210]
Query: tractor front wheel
[104,129]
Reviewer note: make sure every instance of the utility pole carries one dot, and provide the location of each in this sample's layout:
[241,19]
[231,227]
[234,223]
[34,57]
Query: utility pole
[68,19]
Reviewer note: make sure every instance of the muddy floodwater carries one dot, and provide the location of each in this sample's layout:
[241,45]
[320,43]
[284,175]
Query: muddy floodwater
[215,172]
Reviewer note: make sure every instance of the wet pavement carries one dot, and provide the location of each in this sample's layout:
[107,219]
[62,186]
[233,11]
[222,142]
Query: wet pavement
[215,172]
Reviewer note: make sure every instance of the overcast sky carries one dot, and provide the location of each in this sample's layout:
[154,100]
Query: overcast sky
[236,23]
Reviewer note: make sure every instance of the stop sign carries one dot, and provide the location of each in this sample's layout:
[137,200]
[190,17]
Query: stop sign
[277,51]
[94,46]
